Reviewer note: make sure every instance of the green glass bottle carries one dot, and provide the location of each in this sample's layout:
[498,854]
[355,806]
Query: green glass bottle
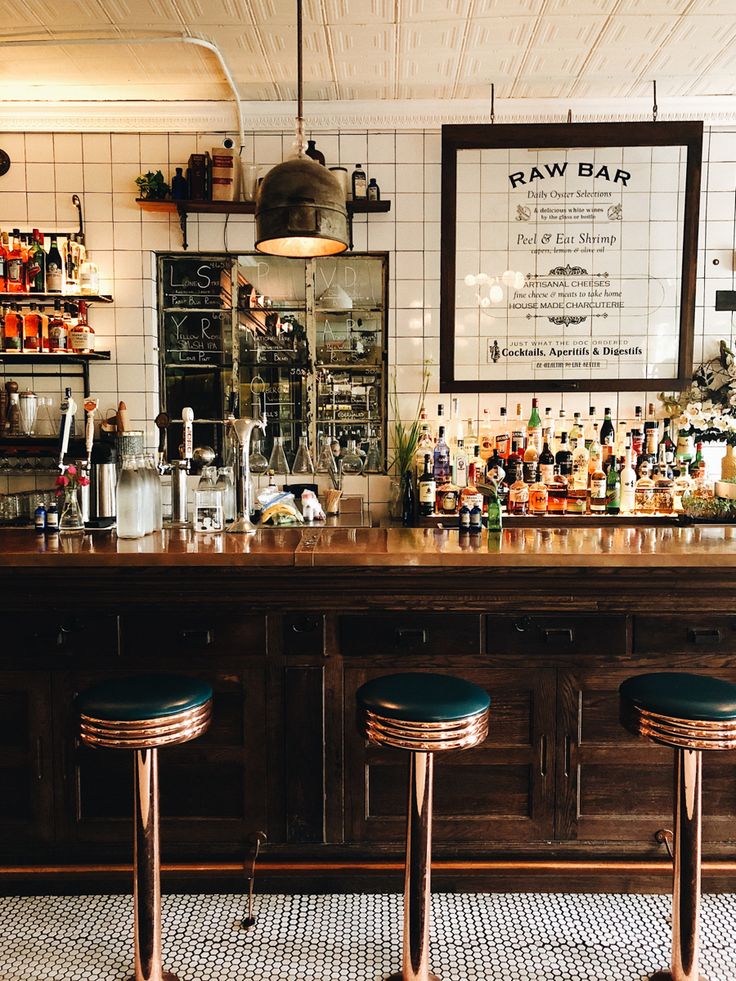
[613,488]
[493,517]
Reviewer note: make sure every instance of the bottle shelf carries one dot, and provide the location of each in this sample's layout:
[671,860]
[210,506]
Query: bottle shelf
[48,299]
[185,208]
[23,357]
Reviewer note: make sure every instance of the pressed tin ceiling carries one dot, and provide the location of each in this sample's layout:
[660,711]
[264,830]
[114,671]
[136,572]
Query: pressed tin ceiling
[374,49]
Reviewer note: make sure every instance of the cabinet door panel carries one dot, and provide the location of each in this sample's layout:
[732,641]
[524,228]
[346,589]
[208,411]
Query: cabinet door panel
[613,786]
[25,758]
[500,791]
[212,789]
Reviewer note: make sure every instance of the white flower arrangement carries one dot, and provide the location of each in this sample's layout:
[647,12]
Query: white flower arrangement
[706,409]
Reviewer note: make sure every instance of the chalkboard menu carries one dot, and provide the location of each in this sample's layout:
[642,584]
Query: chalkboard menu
[197,337]
[200,283]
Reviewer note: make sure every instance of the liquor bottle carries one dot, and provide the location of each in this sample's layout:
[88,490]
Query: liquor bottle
[81,335]
[548,428]
[58,336]
[496,468]
[514,465]
[36,270]
[563,457]
[373,191]
[15,265]
[89,277]
[546,464]
[664,487]
[424,446]
[487,442]
[697,467]
[32,335]
[476,468]
[557,494]
[13,330]
[580,465]
[441,458]
[651,440]
[531,463]
[644,495]
[663,466]
[54,269]
[3,311]
[591,427]
[359,183]
[503,439]
[534,429]
[561,428]
[457,426]
[71,269]
[576,430]
[607,436]
[595,455]
[613,488]
[408,502]
[628,482]
[517,433]
[3,251]
[538,498]
[637,435]
[460,465]
[494,519]
[427,489]
[518,497]
[666,448]
[682,485]
[470,436]
[598,491]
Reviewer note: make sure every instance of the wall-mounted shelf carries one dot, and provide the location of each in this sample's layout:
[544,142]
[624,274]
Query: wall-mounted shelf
[48,299]
[82,361]
[184,208]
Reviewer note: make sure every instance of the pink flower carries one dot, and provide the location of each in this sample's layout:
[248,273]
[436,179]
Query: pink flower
[71,470]
[62,481]
[84,482]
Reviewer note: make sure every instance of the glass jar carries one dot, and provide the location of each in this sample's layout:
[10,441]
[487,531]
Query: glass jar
[129,500]
[209,515]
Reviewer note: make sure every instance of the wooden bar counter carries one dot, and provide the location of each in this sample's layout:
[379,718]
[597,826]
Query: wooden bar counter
[287,624]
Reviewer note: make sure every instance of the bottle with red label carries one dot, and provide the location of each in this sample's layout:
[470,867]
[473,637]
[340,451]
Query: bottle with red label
[81,335]
[15,265]
[58,333]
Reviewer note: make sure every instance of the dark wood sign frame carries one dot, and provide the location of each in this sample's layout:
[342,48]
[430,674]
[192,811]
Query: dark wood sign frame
[569,135]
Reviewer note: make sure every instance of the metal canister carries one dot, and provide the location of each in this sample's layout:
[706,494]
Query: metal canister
[129,443]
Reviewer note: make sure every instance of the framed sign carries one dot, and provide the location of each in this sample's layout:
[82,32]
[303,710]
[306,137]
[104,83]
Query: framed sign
[568,256]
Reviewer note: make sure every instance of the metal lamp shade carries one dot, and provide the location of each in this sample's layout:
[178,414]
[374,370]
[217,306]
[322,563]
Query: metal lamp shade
[300,211]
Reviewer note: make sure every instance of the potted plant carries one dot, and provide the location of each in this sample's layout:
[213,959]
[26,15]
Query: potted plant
[405,442]
[152,186]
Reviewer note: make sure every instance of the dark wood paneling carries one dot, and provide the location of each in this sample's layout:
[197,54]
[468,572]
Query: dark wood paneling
[186,633]
[500,791]
[304,753]
[571,634]
[303,633]
[696,633]
[409,633]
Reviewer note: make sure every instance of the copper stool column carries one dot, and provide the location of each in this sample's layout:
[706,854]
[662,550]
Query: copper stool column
[142,714]
[422,714]
[690,713]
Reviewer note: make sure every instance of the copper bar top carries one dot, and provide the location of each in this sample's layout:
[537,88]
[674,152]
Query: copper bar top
[700,546]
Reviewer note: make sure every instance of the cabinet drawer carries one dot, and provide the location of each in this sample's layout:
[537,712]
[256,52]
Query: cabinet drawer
[175,634]
[303,633]
[684,634]
[69,635]
[410,633]
[558,633]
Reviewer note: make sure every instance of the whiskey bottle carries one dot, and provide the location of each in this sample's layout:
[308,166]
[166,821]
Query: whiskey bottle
[58,336]
[15,265]
[427,489]
[598,489]
[546,464]
[557,494]
[538,498]
[514,465]
[563,457]
[503,439]
[531,463]
[518,497]
[13,330]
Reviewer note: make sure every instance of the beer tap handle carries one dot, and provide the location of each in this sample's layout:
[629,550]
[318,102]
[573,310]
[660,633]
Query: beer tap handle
[66,430]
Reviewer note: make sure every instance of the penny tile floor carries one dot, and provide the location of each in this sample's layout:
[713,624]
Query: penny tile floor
[475,937]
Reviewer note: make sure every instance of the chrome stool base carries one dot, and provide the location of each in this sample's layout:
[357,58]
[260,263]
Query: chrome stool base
[669,976]
[402,977]
[165,976]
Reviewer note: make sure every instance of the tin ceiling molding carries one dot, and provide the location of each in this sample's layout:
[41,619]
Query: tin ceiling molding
[211,117]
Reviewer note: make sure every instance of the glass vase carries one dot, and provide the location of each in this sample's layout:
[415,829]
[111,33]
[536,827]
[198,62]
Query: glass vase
[71,513]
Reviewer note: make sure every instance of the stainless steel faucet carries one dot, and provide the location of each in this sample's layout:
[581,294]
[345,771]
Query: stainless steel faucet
[243,429]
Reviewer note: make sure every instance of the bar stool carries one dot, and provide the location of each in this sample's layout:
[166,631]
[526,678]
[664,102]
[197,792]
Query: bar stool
[423,714]
[690,713]
[142,714]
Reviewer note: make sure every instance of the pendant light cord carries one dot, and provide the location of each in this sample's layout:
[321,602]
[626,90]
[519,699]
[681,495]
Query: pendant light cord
[299,143]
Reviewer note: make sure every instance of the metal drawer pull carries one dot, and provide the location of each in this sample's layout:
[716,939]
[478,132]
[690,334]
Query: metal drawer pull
[543,756]
[558,635]
[305,626]
[411,636]
[200,636]
[703,636]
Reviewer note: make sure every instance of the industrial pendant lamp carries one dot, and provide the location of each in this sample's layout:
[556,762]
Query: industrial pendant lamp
[300,205]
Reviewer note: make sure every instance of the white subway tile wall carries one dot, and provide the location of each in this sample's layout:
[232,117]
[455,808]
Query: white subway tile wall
[47,168]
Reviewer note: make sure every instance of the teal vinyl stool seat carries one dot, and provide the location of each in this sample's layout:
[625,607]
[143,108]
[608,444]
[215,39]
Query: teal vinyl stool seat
[690,713]
[142,714]
[422,714]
